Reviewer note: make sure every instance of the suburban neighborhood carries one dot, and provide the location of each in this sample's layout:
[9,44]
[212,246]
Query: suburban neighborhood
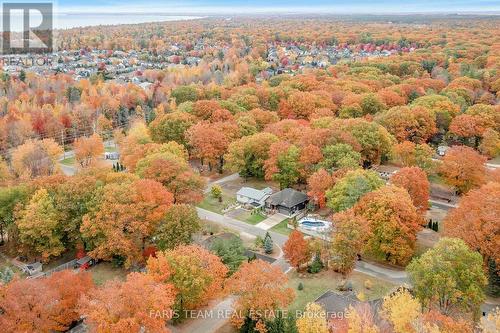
[255,173]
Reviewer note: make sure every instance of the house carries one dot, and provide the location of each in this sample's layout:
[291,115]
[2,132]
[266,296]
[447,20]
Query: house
[287,202]
[386,171]
[111,155]
[251,196]
[335,305]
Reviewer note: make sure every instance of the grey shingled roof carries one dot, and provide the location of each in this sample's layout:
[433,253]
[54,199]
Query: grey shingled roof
[287,198]
[252,193]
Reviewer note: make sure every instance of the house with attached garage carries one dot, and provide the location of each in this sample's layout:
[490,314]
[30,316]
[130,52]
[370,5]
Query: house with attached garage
[288,202]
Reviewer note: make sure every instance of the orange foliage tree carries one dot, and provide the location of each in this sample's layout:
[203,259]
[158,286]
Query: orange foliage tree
[70,287]
[36,158]
[318,183]
[126,217]
[348,240]
[45,304]
[393,222]
[261,289]
[296,249]
[139,303]
[209,143]
[175,174]
[87,150]
[416,124]
[477,221]
[463,168]
[415,181]
[446,323]
[195,274]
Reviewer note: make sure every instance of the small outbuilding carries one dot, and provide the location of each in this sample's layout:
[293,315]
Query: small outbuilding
[287,202]
[112,155]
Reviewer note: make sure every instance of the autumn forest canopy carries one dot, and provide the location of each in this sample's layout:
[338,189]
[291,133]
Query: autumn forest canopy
[317,104]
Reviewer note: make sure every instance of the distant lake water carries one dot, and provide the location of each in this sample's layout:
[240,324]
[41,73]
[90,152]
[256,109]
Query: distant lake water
[67,21]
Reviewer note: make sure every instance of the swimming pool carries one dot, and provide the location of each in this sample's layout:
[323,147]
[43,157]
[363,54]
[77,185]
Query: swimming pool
[313,224]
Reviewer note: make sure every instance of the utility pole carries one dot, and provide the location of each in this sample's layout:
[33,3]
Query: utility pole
[62,142]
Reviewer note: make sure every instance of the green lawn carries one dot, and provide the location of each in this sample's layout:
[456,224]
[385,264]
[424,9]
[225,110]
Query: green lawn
[436,179]
[255,218]
[282,228]
[70,161]
[213,205]
[110,149]
[105,271]
[316,285]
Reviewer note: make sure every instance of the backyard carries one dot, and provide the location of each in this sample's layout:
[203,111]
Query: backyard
[69,161]
[316,285]
[105,271]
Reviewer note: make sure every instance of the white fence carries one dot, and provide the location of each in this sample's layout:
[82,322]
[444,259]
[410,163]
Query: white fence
[68,265]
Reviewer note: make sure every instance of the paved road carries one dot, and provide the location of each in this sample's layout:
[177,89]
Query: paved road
[208,319]
[394,276]
[441,204]
[67,170]
[225,179]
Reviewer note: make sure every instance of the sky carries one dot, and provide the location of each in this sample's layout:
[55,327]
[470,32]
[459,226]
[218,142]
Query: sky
[277,6]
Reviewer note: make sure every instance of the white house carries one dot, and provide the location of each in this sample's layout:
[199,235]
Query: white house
[251,196]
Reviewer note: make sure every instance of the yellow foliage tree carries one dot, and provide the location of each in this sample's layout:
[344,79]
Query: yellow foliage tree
[313,320]
[401,310]
[360,320]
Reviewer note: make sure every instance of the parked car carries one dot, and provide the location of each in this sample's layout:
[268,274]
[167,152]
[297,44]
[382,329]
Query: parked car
[85,263]
[33,269]
[441,150]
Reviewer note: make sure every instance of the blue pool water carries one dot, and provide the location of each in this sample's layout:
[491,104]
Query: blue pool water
[314,224]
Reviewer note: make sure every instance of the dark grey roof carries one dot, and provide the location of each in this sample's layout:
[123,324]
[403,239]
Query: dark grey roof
[287,198]
[334,302]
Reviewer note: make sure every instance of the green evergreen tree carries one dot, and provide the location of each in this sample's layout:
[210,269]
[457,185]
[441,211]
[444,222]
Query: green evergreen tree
[291,325]
[231,251]
[248,326]
[268,243]
[277,325]
[6,275]
[316,265]
[22,75]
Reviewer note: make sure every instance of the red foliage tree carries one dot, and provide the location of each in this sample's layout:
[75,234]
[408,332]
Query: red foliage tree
[296,249]
[415,181]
